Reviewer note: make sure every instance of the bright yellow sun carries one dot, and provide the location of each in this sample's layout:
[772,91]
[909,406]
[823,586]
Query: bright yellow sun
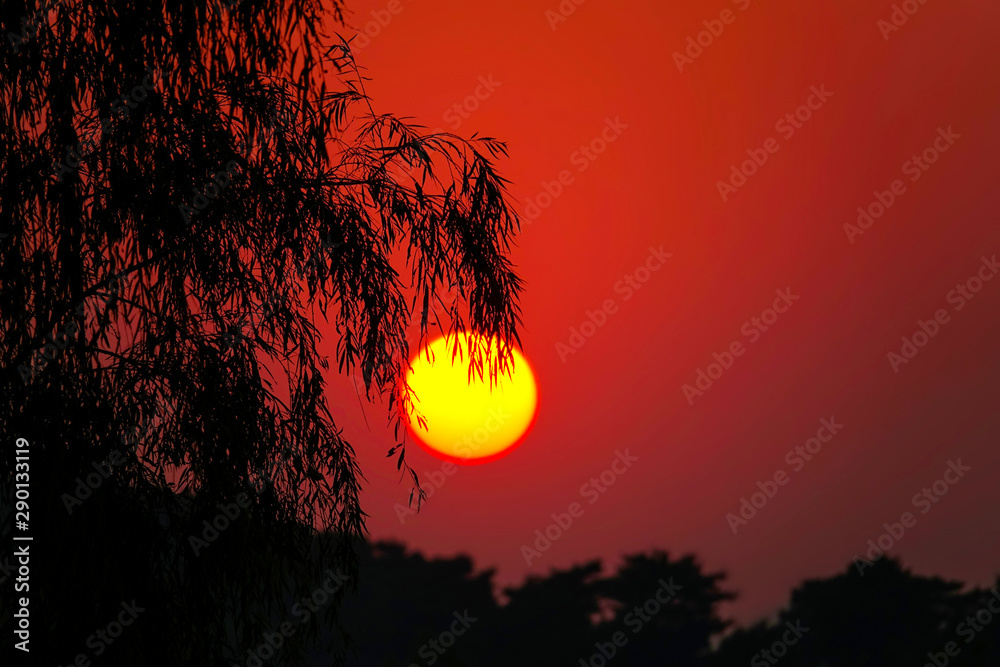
[467,420]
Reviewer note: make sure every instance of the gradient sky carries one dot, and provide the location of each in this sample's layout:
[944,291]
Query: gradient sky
[656,184]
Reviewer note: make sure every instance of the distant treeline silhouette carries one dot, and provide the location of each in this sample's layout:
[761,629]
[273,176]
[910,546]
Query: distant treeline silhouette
[411,610]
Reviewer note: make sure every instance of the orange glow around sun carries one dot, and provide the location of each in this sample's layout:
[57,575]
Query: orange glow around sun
[467,420]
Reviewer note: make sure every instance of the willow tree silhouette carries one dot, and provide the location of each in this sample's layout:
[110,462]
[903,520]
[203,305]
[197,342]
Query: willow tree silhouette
[187,187]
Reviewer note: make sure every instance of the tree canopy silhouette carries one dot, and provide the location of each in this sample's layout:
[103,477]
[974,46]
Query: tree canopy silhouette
[188,188]
[886,616]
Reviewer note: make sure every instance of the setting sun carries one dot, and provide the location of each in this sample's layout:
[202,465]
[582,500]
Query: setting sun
[467,421]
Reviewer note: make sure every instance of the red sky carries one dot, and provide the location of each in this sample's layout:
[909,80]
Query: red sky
[656,185]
